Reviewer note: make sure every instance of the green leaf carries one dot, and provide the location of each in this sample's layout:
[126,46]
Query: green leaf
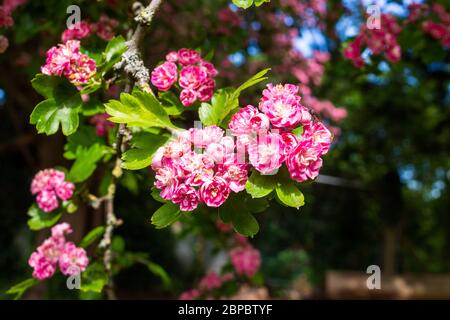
[40,219]
[214,113]
[259,186]
[93,235]
[245,4]
[298,131]
[290,195]
[140,109]
[156,195]
[238,209]
[158,271]
[260,2]
[144,146]
[19,289]
[257,205]
[166,215]
[226,100]
[118,244]
[93,85]
[61,107]
[86,162]
[245,224]
[257,78]
[171,103]
[113,52]
[49,114]
[45,85]
[84,137]
[94,278]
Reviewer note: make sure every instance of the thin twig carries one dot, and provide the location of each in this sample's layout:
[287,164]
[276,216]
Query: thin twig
[138,74]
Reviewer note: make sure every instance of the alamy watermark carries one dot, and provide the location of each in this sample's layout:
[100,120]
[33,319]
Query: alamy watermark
[374,17]
[374,280]
[73,21]
[74,280]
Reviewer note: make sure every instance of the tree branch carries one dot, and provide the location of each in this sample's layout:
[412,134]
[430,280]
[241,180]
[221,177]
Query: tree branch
[132,62]
[133,65]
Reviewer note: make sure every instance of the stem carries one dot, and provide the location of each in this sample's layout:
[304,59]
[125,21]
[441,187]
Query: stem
[134,67]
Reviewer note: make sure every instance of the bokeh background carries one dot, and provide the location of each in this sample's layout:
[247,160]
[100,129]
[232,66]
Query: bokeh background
[383,197]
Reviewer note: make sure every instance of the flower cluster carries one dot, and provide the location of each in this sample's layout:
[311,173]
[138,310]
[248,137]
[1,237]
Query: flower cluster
[48,185]
[439,30]
[6,10]
[195,76]
[269,139]
[204,166]
[4,44]
[104,29]
[102,125]
[246,260]
[55,251]
[211,281]
[199,166]
[67,60]
[383,40]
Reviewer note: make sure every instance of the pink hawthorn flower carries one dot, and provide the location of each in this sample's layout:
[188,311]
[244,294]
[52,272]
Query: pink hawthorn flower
[47,185]
[266,153]
[44,259]
[164,76]
[166,179]
[190,295]
[6,10]
[211,71]
[206,90]
[79,31]
[59,231]
[281,104]
[235,174]
[248,120]
[67,60]
[177,148]
[82,70]
[188,97]
[379,41]
[416,10]
[204,137]
[72,260]
[289,142]
[195,78]
[186,197]
[188,56]
[105,27]
[210,281]
[353,52]
[65,190]
[102,124]
[47,200]
[172,56]
[192,77]
[198,168]
[214,192]
[436,30]
[224,227]
[320,136]
[240,122]
[246,260]
[54,250]
[217,152]
[304,161]
[43,268]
